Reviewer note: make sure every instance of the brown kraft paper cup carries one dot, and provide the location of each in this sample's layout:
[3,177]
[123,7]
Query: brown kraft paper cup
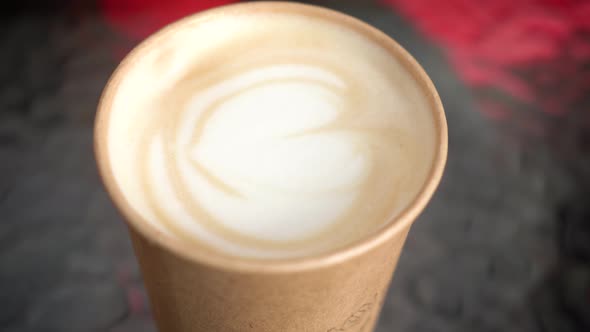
[193,290]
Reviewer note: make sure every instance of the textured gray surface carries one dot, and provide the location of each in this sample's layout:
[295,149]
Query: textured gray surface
[471,262]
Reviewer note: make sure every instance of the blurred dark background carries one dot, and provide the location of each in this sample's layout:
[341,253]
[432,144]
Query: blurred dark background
[504,245]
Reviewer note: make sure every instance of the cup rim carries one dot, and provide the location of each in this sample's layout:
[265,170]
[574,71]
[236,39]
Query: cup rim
[219,260]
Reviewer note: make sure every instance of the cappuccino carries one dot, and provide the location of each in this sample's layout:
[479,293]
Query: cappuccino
[268,134]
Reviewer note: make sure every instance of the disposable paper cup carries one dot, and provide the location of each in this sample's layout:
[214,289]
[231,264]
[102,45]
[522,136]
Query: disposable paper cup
[193,290]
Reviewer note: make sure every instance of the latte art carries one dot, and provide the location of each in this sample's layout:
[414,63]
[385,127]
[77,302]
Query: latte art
[300,144]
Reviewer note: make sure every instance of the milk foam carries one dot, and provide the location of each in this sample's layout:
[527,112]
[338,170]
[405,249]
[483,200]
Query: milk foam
[269,135]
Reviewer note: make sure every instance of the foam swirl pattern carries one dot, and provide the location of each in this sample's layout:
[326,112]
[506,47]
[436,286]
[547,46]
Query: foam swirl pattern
[303,143]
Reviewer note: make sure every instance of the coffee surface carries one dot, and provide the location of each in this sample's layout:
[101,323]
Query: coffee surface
[268,135]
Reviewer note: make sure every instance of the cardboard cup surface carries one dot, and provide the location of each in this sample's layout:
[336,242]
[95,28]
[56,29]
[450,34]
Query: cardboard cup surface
[342,297]
[199,290]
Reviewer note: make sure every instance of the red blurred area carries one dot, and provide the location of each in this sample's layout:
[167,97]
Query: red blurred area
[536,52]
[140,18]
